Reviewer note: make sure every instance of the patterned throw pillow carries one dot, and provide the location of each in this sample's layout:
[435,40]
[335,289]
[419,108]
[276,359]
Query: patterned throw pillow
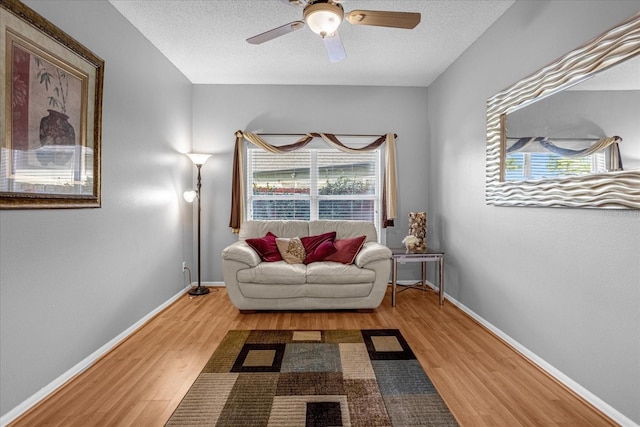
[291,250]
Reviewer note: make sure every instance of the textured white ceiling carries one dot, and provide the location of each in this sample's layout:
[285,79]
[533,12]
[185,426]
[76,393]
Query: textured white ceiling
[206,41]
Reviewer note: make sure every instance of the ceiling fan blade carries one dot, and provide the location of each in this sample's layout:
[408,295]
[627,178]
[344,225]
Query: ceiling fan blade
[381,18]
[334,47]
[276,32]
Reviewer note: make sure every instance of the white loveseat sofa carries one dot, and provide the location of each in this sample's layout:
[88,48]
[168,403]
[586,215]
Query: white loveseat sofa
[256,285]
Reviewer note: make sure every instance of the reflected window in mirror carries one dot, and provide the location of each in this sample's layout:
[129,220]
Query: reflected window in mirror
[568,135]
[542,157]
[521,166]
[545,139]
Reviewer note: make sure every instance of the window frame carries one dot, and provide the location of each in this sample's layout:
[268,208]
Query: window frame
[314,197]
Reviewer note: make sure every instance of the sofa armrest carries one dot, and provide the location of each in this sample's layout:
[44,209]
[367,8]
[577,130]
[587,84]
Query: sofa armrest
[240,251]
[371,252]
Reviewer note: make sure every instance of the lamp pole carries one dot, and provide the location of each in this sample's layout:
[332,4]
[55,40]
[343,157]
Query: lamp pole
[198,160]
[199,290]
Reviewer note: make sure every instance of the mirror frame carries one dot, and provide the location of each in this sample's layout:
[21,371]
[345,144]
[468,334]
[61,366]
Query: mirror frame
[613,190]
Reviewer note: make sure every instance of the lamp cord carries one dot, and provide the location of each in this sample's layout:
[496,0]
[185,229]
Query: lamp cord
[189,270]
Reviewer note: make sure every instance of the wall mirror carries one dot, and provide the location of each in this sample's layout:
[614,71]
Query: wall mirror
[569,134]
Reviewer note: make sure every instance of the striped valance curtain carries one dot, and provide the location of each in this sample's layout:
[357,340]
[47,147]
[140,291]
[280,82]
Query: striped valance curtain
[615,158]
[549,145]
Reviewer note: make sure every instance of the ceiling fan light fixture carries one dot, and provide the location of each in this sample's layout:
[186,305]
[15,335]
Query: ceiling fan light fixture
[323,18]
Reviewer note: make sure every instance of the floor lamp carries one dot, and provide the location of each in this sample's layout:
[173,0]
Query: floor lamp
[198,160]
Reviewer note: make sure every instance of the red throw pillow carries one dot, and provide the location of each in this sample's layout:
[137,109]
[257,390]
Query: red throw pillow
[346,250]
[266,247]
[318,247]
[320,253]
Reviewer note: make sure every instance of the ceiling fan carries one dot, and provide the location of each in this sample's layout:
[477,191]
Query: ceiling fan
[325,16]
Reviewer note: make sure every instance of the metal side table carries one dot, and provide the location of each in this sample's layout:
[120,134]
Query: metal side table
[402,256]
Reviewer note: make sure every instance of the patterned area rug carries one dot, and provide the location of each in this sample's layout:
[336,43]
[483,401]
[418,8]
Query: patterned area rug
[313,378]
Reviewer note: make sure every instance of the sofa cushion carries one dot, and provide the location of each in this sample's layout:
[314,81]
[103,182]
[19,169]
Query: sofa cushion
[274,273]
[318,247]
[291,250]
[346,250]
[333,272]
[266,247]
[344,229]
[285,228]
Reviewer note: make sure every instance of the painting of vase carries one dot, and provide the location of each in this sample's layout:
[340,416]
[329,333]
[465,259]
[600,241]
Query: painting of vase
[57,132]
[52,111]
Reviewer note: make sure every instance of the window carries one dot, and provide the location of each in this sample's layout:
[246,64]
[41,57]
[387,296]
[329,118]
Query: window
[314,183]
[520,166]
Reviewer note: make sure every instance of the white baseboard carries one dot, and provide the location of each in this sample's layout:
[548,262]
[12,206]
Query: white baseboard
[212,284]
[550,369]
[83,365]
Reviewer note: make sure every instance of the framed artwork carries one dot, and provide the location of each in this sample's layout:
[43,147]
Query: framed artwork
[50,114]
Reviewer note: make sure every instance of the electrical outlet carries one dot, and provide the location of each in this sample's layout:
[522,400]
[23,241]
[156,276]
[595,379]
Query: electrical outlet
[184,265]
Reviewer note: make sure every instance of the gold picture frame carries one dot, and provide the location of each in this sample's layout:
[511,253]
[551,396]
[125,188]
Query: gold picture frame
[50,115]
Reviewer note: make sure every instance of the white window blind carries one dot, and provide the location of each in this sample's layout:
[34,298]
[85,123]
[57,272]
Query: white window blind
[520,166]
[313,184]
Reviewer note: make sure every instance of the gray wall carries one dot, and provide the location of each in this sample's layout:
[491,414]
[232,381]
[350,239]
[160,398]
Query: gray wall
[220,110]
[562,282]
[72,280]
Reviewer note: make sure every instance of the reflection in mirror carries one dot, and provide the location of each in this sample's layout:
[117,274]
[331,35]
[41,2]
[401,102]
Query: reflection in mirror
[590,128]
[568,135]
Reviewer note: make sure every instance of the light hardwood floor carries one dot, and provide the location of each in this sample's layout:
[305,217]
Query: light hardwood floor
[484,382]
